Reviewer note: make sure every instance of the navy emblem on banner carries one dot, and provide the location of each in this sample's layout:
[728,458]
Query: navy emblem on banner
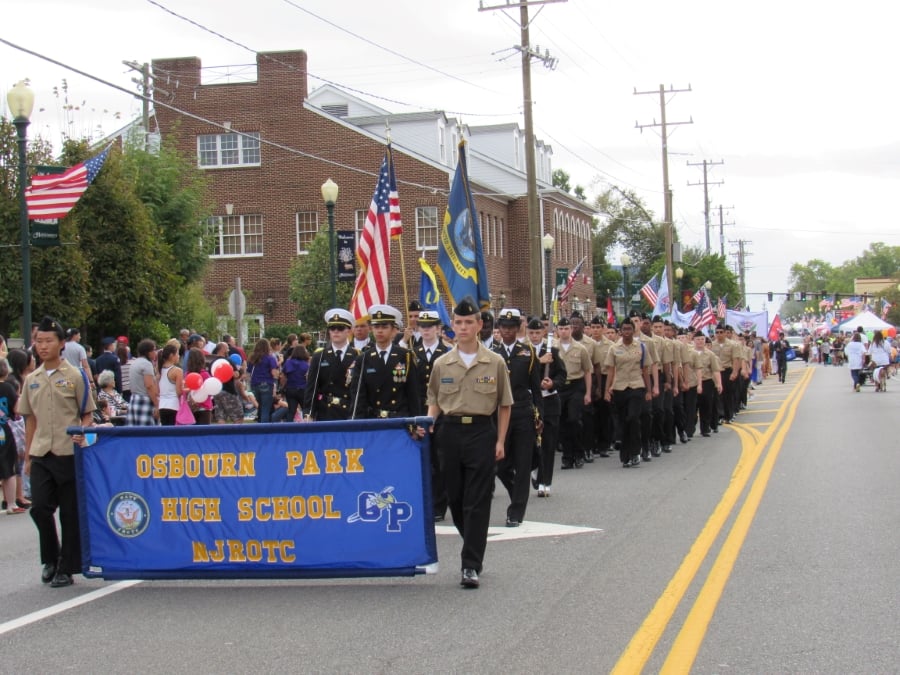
[128,514]
[372,505]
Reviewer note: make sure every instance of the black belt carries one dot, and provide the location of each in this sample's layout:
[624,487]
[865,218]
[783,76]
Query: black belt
[384,414]
[466,419]
[577,380]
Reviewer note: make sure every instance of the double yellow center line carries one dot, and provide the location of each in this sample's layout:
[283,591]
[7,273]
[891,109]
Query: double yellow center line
[690,637]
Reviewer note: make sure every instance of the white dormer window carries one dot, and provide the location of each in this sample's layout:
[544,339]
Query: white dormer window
[442,143]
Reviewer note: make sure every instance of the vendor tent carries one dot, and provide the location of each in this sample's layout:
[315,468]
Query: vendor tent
[865,319]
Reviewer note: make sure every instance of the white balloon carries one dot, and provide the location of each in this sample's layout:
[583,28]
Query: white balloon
[211,387]
[215,366]
[199,395]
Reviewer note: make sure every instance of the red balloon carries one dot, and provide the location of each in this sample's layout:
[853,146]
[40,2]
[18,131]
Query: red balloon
[223,371]
[193,381]
[892,332]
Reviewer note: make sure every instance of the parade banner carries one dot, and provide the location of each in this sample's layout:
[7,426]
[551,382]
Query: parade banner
[316,500]
[746,322]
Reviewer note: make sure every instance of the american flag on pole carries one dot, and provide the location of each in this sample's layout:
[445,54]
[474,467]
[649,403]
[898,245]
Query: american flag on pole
[570,280]
[374,248]
[54,195]
[650,290]
[703,314]
[722,307]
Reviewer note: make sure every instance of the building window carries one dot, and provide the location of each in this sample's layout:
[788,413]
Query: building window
[426,228]
[500,250]
[235,236]
[442,143]
[307,229]
[359,216]
[228,150]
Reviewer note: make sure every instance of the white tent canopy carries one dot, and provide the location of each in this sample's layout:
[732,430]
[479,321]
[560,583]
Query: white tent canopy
[865,319]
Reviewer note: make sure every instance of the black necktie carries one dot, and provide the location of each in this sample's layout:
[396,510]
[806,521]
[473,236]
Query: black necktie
[383,355]
[338,354]
[428,355]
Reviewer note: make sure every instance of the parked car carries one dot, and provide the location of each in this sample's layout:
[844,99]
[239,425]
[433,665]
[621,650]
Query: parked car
[798,344]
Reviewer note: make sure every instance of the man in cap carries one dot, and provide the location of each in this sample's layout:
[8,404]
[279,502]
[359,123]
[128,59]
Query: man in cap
[468,386]
[109,361]
[327,393]
[603,417]
[486,334]
[729,354]
[55,396]
[527,413]
[427,351]
[384,381]
[362,338]
[553,377]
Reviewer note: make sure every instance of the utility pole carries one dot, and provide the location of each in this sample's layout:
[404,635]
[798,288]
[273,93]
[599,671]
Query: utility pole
[705,164]
[148,87]
[667,189]
[722,225]
[535,249]
[742,256]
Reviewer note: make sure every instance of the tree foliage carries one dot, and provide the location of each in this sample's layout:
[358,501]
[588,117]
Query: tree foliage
[309,284]
[879,260]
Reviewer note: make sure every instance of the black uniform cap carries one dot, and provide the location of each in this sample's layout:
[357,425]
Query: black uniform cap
[535,324]
[468,307]
[563,322]
[597,321]
[415,306]
[50,325]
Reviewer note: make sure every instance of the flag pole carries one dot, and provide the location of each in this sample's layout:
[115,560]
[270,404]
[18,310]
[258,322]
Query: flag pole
[390,156]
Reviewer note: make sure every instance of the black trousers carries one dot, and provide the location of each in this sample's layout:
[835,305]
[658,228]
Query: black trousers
[514,470]
[689,405]
[572,402]
[706,407]
[52,488]
[603,425]
[727,396]
[438,487]
[549,439]
[628,405]
[466,454]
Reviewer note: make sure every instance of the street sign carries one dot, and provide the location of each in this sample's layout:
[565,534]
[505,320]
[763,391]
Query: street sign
[45,233]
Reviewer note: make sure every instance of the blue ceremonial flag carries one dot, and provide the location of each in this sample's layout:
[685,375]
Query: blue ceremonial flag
[429,295]
[663,304]
[460,262]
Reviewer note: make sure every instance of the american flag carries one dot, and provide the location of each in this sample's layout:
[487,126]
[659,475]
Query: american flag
[374,248]
[54,195]
[696,296]
[703,314]
[650,289]
[570,280]
[722,307]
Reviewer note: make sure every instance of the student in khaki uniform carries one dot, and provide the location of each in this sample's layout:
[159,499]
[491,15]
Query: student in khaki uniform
[603,426]
[729,356]
[686,401]
[628,388]
[574,396]
[709,382]
[467,386]
[54,397]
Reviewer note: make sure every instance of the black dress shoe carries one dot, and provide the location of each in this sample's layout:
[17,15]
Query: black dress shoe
[667,448]
[579,463]
[48,573]
[705,434]
[534,479]
[513,523]
[61,580]
[603,453]
[683,437]
[635,461]
[626,465]
[589,456]
[439,519]
[469,579]
[567,465]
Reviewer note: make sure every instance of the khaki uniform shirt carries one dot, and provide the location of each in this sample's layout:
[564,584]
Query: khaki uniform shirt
[706,363]
[55,401]
[600,351]
[727,351]
[577,360]
[627,362]
[474,390]
[689,361]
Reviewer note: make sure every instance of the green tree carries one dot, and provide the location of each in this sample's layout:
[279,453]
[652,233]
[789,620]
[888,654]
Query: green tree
[309,284]
[560,179]
[699,268]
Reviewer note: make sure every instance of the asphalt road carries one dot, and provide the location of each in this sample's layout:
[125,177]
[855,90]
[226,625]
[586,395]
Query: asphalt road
[771,547]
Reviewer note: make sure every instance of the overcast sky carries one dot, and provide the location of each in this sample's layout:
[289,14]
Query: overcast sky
[797,98]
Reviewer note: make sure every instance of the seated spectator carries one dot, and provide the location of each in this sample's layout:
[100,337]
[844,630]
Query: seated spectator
[118,406]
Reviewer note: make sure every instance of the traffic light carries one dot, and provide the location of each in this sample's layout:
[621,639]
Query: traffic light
[802,296]
[770,296]
[837,298]
[823,293]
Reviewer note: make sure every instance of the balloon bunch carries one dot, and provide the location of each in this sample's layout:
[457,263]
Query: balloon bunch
[222,371]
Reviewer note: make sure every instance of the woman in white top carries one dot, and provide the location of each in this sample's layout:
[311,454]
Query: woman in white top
[880,355]
[171,378]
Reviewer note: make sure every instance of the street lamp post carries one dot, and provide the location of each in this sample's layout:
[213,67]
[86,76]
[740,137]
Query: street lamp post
[330,195]
[626,301]
[21,102]
[547,242]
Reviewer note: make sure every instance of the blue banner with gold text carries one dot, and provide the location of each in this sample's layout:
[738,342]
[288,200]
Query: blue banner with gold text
[315,500]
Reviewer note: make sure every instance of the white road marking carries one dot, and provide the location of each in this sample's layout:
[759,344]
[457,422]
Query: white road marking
[47,612]
[527,530]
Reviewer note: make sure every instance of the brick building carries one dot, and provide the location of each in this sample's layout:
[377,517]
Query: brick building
[265,181]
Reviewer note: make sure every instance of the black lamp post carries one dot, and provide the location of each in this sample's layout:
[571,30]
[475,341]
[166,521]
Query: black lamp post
[679,276]
[21,102]
[330,195]
[547,242]
[626,301]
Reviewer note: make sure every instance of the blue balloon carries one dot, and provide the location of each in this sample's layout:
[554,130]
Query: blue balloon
[235,359]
